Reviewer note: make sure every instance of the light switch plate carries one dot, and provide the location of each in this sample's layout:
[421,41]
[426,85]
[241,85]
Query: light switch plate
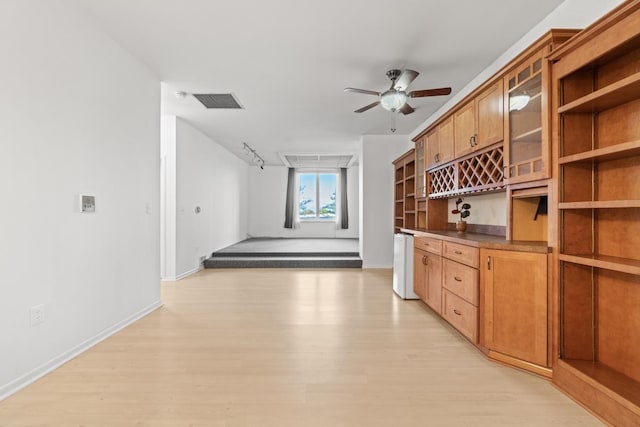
[87,203]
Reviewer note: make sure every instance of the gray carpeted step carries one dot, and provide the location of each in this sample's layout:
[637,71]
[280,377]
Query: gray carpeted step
[283,262]
[223,254]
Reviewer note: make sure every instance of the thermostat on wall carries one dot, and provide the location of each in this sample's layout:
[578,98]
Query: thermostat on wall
[87,203]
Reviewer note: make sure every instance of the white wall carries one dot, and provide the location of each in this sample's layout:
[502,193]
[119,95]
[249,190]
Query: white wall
[268,192]
[77,115]
[570,14]
[486,209]
[376,189]
[208,176]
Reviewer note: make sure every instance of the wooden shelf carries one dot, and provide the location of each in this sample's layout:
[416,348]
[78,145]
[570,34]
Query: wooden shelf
[610,382]
[601,204]
[615,152]
[618,93]
[623,265]
[409,212]
[534,135]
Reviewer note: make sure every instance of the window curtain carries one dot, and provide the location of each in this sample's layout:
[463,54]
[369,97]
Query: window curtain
[288,206]
[344,210]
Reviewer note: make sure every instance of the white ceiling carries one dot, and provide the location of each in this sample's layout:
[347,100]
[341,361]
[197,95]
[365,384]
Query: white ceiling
[288,61]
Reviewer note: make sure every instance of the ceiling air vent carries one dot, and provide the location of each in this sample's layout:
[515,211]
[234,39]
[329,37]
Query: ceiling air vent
[218,100]
[318,160]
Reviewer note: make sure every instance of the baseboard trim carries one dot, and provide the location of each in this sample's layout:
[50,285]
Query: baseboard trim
[183,275]
[42,370]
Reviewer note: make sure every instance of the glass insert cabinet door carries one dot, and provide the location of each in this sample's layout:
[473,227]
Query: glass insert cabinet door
[525,121]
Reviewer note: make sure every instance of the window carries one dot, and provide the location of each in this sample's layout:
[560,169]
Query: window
[317,196]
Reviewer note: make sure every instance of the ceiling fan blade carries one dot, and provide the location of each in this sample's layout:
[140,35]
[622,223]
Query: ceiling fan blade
[368,92]
[368,107]
[429,92]
[405,79]
[407,109]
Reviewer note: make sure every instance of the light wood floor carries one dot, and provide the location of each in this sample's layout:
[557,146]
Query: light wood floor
[288,348]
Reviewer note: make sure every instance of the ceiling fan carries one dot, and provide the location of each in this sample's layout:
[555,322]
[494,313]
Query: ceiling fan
[395,99]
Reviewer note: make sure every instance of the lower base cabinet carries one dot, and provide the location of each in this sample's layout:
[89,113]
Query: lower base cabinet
[514,304]
[427,280]
[461,314]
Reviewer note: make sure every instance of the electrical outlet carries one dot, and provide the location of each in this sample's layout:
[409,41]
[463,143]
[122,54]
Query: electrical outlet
[36,315]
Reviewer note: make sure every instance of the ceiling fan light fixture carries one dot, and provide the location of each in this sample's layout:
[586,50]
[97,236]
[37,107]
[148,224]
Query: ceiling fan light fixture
[392,100]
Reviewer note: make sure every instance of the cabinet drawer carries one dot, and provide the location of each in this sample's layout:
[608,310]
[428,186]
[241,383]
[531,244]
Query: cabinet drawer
[463,254]
[428,244]
[461,314]
[462,280]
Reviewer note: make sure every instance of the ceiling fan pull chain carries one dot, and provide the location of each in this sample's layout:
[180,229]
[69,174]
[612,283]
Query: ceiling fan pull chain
[393,123]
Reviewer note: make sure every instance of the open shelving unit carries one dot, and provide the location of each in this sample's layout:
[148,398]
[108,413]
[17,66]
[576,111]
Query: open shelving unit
[405,192]
[598,210]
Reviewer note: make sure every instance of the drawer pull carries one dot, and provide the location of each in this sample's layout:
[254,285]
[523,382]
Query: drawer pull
[457,252]
[457,312]
[457,279]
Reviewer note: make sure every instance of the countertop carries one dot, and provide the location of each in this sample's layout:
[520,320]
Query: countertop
[483,240]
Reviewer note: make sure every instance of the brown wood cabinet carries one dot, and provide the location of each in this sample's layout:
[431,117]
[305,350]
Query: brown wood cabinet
[514,305]
[446,279]
[439,142]
[527,97]
[434,282]
[420,273]
[480,122]
[490,116]
[464,123]
[497,298]
[491,138]
[427,264]
[596,105]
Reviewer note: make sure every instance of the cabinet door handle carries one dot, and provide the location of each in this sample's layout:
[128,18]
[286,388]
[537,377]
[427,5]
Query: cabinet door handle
[474,140]
[436,158]
[457,252]
[424,260]
[471,141]
[488,263]
[457,312]
[457,279]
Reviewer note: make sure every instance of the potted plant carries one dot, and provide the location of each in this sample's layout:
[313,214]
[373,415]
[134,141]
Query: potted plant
[464,212]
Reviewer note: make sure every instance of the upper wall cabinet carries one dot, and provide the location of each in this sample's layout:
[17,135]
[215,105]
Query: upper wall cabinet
[527,88]
[479,123]
[511,107]
[490,120]
[439,144]
[527,150]
[464,128]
